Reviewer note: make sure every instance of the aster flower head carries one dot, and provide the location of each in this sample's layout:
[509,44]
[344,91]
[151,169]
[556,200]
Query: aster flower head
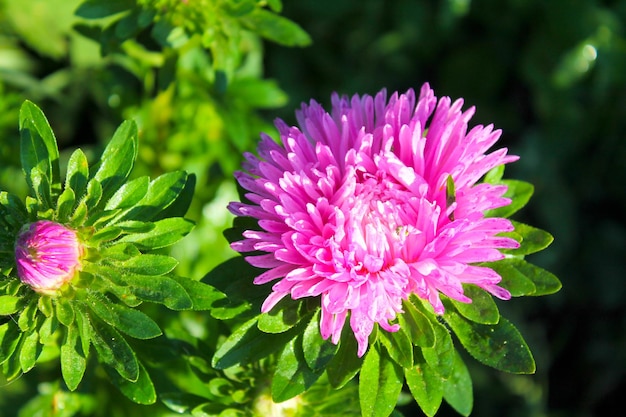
[372,202]
[47,255]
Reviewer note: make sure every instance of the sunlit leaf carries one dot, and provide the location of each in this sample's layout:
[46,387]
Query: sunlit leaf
[345,364]
[113,350]
[482,309]
[73,358]
[380,383]
[533,240]
[165,233]
[425,385]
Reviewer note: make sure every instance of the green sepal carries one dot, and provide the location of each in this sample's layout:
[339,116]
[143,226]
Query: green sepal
[425,384]
[130,321]
[500,345]
[345,364]
[482,309]
[533,240]
[39,154]
[457,388]
[140,391]
[248,344]
[113,350]
[317,352]
[292,375]
[73,358]
[380,383]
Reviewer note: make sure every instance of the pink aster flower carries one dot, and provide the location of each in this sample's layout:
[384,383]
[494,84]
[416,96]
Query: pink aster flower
[47,255]
[355,209]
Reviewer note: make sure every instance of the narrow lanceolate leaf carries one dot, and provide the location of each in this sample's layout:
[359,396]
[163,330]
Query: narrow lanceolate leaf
[113,350]
[292,375]
[141,391]
[73,358]
[545,282]
[165,233]
[317,352]
[247,344]
[130,321]
[129,194]
[417,325]
[39,152]
[482,309]
[457,389]
[77,174]
[202,296]
[345,364]
[500,345]
[380,384]
[440,357]
[117,159]
[399,347]
[162,192]
[425,384]
[148,264]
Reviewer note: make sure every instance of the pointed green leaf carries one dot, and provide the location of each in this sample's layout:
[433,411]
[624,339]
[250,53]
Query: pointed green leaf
[500,345]
[73,358]
[26,320]
[165,233]
[181,204]
[399,346]
[494,176]
[275,28]
[96,9]
[147,264]
[519,192]
[545,282]
[94,194]
[10,336]
[9,304]
[380,384]
[117,159]
[512,279]
[247,344]
[130,321]
[65,205]
[533,240]
[345,364]
[65,311]
[162,192]
[29,350]
[39,153]
[317,352]
[203,296]
[457,389]
[113,350]
[141,391]
[417,325]
[440,357]
[292,375]
[129,194]
[281,318]
[77,174]
[425,385]
[482,309]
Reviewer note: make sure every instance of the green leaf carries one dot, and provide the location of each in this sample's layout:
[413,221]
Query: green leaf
[512,279]
[440,357]
[96,9]
[77,174]
[29,350]
[26,320]
[65,204]
[545,282]
[317,352]
[500,345]
[147,264]
[140,391]
[281,318]
[39,154]
[482,309]
[65,311]
[380,384]
[165,233]
[275,28]
[457,389]
[10,336]
[73,358]
[203,296]
[162,192]
[292,375]
[533,240]
[129,194]
[519,192]
[417,325]
[181,204]
[9,304]
[132,322]
[94,194]
[113,350]
[117,159]
[399,347]
[425,384]
[12,210]
[248,344]
[345,364]
[494,176]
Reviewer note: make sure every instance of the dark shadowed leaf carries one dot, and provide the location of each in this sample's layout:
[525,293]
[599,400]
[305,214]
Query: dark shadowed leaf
[292,375]
[457,389]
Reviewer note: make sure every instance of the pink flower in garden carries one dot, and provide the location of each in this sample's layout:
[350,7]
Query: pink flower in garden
[47,255]
[354,207]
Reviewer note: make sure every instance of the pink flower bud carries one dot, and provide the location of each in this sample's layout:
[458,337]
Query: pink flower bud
[47,255]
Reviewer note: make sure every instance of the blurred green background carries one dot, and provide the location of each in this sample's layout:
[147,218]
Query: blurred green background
[551,74]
